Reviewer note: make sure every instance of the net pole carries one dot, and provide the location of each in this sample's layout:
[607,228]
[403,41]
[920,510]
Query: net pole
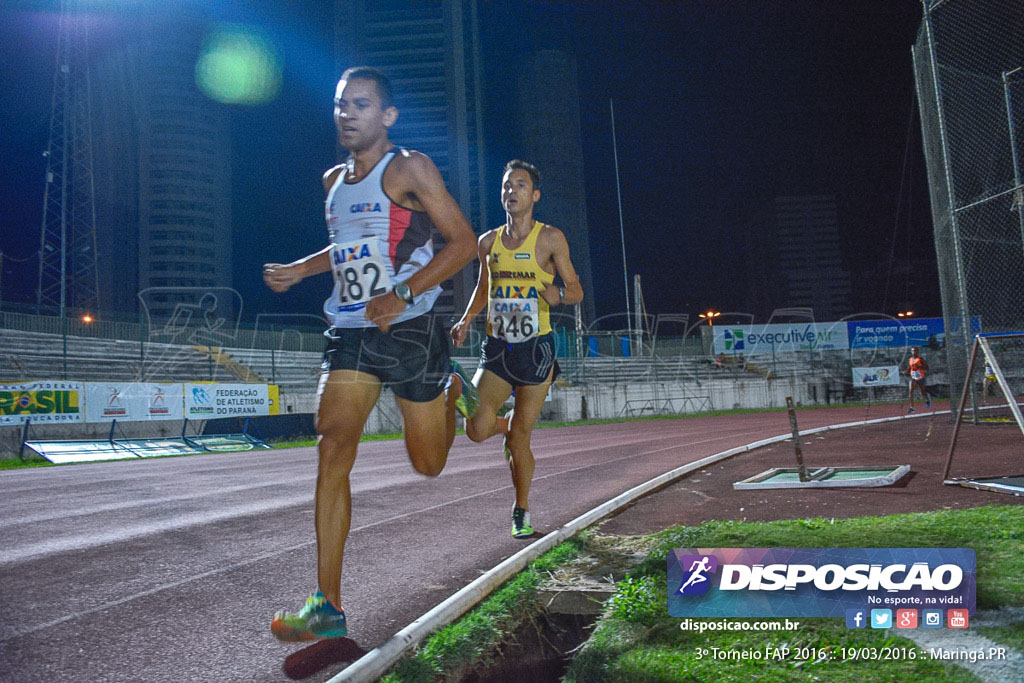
[947,172]
[622,230]
[958,415]
[1013,150]
[801,470]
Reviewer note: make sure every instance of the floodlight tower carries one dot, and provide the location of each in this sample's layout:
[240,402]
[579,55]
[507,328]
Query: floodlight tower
[67,247]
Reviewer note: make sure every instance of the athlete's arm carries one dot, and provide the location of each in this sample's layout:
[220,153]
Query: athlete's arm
[483,285]
[554,239]
[279,277]
[417,184]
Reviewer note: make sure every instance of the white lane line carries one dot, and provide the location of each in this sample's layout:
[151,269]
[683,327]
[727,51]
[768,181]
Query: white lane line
[205,518]
[54,513]
[219,570]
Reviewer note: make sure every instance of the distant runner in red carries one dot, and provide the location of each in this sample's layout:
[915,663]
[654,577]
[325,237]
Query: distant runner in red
[916,368]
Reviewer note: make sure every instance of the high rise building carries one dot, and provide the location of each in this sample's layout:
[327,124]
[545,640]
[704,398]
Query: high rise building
[163,176]
[808,258]
[548,112]
[429,49]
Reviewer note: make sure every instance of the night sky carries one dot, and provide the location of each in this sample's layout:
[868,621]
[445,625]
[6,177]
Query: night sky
[720,106]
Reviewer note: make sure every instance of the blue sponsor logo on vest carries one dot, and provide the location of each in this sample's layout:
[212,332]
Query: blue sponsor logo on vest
[366,207]
[513,292]
[345,254]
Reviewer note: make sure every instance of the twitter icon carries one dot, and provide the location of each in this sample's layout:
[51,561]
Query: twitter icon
[881,618]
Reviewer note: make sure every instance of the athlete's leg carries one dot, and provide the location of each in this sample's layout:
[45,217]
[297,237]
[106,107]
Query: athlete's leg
[528,403]
[430,428]
[493,391]
[344,401]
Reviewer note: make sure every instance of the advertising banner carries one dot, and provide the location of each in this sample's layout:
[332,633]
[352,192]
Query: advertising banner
[871,334]
[819,582]
[882,376]
[132,401]
[41,402]
[207,401]
[752,340]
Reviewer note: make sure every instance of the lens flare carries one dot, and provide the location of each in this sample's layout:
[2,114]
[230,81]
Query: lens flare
[238,66]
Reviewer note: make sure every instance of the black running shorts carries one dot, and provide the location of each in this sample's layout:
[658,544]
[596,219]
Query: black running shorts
[522,364]
[412,358]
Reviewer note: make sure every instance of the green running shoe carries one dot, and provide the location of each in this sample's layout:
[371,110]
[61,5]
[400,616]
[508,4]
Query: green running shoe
[469,400]
[521,523]
[317,619]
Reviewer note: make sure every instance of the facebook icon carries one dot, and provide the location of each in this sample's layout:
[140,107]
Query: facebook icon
[856,618]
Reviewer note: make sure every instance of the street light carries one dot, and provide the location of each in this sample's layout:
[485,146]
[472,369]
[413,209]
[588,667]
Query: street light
[87,318]
[905,314]
[710,316]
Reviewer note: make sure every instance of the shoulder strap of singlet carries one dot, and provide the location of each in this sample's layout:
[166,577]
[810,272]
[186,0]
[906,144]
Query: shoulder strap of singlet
[378,168]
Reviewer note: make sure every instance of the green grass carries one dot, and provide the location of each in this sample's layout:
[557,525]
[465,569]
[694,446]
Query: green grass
[638,642]
[305,443]
[18,463]
[475,640]
[1011,635]
[656,650]
[996,533]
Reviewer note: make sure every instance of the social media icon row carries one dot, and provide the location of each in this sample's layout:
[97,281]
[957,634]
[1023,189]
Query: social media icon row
[905,618]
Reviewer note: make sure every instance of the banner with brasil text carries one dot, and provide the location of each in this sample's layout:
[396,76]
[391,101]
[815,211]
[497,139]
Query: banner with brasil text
[41,402]
[58,401]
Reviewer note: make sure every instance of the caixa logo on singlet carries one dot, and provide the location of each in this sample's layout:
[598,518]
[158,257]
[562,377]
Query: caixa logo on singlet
[366,207]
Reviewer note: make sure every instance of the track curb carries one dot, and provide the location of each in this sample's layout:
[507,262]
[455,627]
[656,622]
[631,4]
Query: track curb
[378,661]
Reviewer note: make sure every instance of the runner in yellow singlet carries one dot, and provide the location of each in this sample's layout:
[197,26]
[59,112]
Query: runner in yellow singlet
[519,264]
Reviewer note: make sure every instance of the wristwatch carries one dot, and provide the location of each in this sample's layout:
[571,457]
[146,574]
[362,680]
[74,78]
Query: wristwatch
[403,292]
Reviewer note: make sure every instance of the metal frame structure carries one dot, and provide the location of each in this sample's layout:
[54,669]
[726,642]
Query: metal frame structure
[981,341]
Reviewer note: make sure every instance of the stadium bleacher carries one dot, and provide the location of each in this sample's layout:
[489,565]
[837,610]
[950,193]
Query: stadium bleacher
[38,356]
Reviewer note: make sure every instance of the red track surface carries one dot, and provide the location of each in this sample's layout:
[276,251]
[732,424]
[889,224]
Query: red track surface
[169,570]
[921,443]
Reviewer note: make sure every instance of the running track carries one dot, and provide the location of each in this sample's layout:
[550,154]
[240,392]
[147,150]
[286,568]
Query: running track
[170,569]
